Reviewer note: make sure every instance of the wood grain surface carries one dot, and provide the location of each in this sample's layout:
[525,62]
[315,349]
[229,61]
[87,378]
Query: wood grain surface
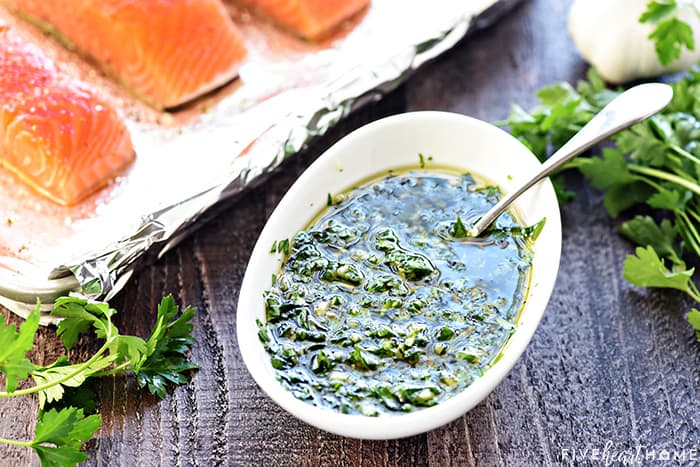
[610,367]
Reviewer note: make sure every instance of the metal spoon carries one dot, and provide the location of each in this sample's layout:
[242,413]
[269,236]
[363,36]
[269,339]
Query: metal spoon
[630,107]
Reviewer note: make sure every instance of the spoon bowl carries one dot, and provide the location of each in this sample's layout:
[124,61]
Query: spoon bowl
[394,143]
[630,107]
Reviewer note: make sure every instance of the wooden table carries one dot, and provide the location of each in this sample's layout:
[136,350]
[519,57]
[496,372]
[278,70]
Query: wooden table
[611,366]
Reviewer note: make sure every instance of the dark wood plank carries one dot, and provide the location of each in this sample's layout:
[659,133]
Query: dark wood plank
[609,364]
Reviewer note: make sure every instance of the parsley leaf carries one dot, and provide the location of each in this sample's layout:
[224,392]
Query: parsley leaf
[63,374]
[611,172]
[622,197]
[646,269]
[76,320]
[79,314]
[656,11]
[458,229]
[652,165]
[643,230]
[643,144]
[694,320]
[281,246]
[558,93]
[670,34]
[14,347]
[157,362]
[608,170]
[562,112]
[129,348]
[670,199]
[164,361]
[59,434]
[531,232]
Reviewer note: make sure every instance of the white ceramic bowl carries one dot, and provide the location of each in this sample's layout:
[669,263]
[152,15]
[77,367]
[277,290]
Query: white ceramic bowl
[452,140]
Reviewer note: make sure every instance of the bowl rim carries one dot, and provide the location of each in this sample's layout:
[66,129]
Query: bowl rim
[392,426]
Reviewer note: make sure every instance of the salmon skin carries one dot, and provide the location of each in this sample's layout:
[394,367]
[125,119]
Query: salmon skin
[310,19]
[167,52]
[56,134]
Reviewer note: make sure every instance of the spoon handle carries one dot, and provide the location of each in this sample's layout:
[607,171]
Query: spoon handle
[630,107]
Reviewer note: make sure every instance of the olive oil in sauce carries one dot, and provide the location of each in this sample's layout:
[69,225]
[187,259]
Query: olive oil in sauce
[384,306]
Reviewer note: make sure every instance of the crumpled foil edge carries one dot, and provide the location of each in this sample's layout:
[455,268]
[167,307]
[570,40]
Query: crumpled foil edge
[103,275]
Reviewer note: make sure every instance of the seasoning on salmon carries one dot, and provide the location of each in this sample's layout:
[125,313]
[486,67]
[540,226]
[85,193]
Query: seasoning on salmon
[55,133]
[310,19]
[167,52]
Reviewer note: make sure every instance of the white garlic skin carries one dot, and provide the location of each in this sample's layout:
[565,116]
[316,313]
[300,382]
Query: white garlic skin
[610,37]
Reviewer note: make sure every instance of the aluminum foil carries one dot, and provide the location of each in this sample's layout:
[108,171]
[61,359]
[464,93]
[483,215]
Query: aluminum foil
[289,92]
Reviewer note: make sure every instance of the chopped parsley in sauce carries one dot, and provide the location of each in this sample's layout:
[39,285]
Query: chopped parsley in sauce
[383,306]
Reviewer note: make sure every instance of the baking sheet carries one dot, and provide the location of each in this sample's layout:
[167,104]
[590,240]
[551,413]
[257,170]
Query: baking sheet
[289,91]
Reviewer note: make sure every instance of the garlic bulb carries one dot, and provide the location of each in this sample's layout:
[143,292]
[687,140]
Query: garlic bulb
[610,37]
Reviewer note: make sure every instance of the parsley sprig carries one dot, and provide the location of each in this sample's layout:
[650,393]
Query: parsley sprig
[64,423]
[654,165]
[59,435]
[670,33]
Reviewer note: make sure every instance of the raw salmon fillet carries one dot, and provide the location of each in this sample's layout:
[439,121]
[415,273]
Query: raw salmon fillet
[55,133]
[311,19]
[167,51]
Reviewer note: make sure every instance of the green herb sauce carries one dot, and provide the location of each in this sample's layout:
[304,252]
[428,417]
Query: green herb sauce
[381,306]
